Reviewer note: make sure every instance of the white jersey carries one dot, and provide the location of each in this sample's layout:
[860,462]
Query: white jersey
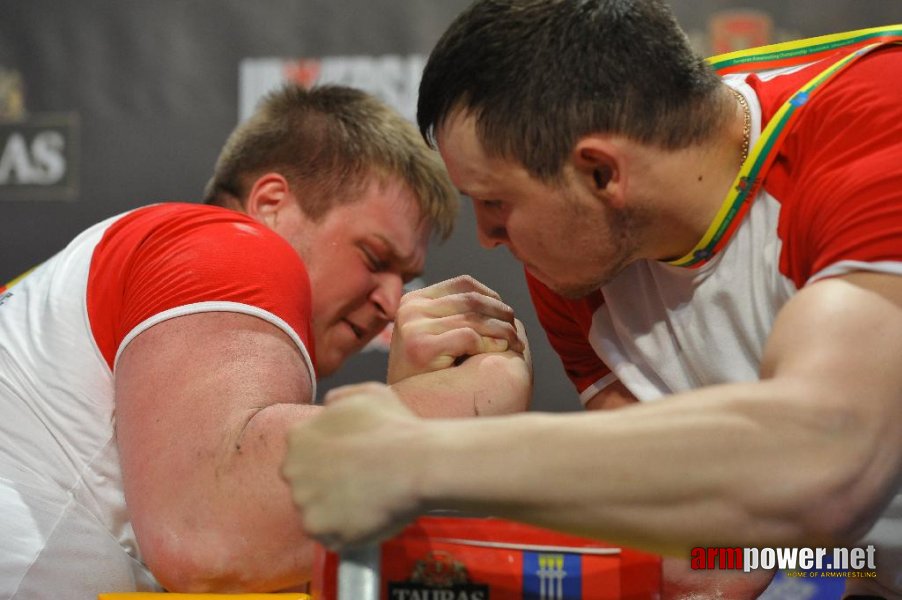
[831,204]
[65,527]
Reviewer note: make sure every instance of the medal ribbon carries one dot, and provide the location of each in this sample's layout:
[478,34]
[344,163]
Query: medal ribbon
[762,155]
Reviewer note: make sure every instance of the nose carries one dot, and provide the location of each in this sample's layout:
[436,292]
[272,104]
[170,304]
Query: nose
[387,295]
[490,228]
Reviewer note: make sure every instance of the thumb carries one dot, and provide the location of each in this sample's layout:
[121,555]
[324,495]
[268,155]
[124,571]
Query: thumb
[491,344]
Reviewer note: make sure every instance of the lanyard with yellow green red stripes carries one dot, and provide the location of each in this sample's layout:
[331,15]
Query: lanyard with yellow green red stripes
[6,287]
[854,45]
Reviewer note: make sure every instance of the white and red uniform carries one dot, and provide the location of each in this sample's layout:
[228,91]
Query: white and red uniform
[831,204]
[64,526]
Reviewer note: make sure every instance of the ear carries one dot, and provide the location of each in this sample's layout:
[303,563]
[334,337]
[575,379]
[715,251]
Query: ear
[599,164]
[268,196]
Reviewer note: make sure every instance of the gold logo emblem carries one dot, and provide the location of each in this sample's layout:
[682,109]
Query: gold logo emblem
[12,96]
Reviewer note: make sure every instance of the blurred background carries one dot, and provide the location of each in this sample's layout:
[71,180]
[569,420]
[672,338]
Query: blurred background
[107,105]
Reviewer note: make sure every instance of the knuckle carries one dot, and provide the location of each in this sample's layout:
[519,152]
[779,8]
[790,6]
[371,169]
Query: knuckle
[408,299]
[473,300]
[465,279]
[419,351]
[409,329]
[471,338]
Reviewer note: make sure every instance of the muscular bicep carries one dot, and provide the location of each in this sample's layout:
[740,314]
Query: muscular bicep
[187,391]
[840,340]
[846,333]
[194,380]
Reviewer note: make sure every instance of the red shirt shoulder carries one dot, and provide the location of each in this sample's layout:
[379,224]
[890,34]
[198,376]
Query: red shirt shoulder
[838,174]
[168,256]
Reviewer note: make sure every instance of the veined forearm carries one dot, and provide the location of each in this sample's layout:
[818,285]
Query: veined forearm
[249,537]
[746,464]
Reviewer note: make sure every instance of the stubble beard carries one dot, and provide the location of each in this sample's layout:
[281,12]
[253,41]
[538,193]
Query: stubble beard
[623,227]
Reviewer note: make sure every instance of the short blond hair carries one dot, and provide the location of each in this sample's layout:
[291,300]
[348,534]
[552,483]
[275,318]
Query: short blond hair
[329,141]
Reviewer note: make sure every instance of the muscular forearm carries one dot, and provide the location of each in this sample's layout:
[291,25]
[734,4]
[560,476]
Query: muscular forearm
[247,536]
[808,455]
[745,464]
[203,403]
[254,530]
[258,533]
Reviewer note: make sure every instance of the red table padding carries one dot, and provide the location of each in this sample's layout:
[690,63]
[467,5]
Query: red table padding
[492,559]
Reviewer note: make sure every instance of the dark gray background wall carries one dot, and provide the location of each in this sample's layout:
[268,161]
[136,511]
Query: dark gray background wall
[135,97]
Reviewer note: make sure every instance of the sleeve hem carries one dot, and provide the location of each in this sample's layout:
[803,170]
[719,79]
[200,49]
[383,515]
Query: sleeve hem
[844,267]
[234,307]
[593,389]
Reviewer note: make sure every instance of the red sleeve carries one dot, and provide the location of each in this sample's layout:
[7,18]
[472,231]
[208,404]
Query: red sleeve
[567,324]
[839,174]
[171,257]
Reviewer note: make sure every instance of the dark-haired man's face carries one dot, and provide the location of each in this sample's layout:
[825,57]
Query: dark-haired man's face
[562,234]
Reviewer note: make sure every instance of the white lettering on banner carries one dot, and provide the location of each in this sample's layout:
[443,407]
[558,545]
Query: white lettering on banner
[808,559]
[39,157]
[48,152]
[43,162]
[392,78]
[15,166]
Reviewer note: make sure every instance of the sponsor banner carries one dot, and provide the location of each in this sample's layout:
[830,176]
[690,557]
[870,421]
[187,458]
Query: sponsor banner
[732,30]
[739,29]
[38,159]
[38,151]
[552,576]
[444,558]
[394,79]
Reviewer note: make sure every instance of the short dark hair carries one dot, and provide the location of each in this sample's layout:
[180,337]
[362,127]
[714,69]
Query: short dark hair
[329,142]
[539,74]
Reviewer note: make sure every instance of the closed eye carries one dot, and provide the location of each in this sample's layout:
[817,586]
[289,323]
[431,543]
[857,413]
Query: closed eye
[373,262]
[489,204]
